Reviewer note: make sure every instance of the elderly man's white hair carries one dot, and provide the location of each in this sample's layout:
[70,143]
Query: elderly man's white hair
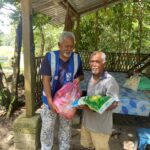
[66,34]
[101,53]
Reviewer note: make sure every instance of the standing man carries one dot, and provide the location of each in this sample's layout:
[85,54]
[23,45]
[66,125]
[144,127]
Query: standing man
[96,128]
[58,68]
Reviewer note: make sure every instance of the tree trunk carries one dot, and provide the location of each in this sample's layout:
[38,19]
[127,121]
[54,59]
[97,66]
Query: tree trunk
[16,70]
[1,77]
[96,31]
[77,34]
[120,13]
[42,41]
[119,34]
[140,35]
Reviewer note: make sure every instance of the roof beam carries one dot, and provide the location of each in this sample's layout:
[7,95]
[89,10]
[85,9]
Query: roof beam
[106,3]
[64,5]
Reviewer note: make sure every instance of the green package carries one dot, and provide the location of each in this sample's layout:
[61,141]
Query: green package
[96,103]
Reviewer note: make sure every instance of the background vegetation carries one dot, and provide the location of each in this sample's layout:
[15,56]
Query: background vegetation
[124,27]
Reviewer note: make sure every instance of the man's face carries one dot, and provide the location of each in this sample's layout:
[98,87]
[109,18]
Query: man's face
[96,64]
[66,47]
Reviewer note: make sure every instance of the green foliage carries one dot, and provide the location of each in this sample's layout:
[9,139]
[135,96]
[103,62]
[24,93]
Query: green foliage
[16,13]
[1,38]
[118,28]
[51,38]
[50,33]
[9,39]
[4,97]
[13,2]
[40,19]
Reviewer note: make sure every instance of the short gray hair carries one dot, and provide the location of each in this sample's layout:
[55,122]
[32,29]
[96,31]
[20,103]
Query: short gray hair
[66,34]
[101,53]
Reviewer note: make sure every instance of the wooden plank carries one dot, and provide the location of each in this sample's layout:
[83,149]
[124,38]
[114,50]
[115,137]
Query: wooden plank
[64,4]
[28,58]
[68,20]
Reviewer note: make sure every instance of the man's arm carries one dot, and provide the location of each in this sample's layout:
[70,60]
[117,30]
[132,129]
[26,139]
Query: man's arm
[45,71]
[112,106]
[47,90]
[78,79]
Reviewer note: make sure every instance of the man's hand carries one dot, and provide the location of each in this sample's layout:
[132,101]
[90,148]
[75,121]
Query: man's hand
[84,107]
[76,81]
[47,89]
[53,106]
[112,106]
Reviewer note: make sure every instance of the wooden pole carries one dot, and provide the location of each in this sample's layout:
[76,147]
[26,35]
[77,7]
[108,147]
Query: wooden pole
[28,57]
[68,20]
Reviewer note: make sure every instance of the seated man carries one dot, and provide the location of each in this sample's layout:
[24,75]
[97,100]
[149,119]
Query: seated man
[96,128]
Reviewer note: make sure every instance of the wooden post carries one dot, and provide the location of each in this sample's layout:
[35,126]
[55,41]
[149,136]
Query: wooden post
[68,20]
[28,57]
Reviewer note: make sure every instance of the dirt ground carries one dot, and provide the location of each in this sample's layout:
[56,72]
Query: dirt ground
[123,137]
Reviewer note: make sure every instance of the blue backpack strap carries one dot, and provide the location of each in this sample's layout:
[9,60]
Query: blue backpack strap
[68,76]
[73,66]
[54,69]
[52,62]
[53,59]
[76,63]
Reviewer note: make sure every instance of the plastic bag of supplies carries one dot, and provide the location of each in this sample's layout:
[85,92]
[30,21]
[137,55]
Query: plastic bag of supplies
[65,97]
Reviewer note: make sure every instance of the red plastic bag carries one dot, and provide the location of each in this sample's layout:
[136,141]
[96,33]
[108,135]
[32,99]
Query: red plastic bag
[64,98]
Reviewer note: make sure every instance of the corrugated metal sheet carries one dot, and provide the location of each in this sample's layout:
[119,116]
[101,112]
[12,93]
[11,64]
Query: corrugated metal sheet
[56,9]
[80,5]
[50,8]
